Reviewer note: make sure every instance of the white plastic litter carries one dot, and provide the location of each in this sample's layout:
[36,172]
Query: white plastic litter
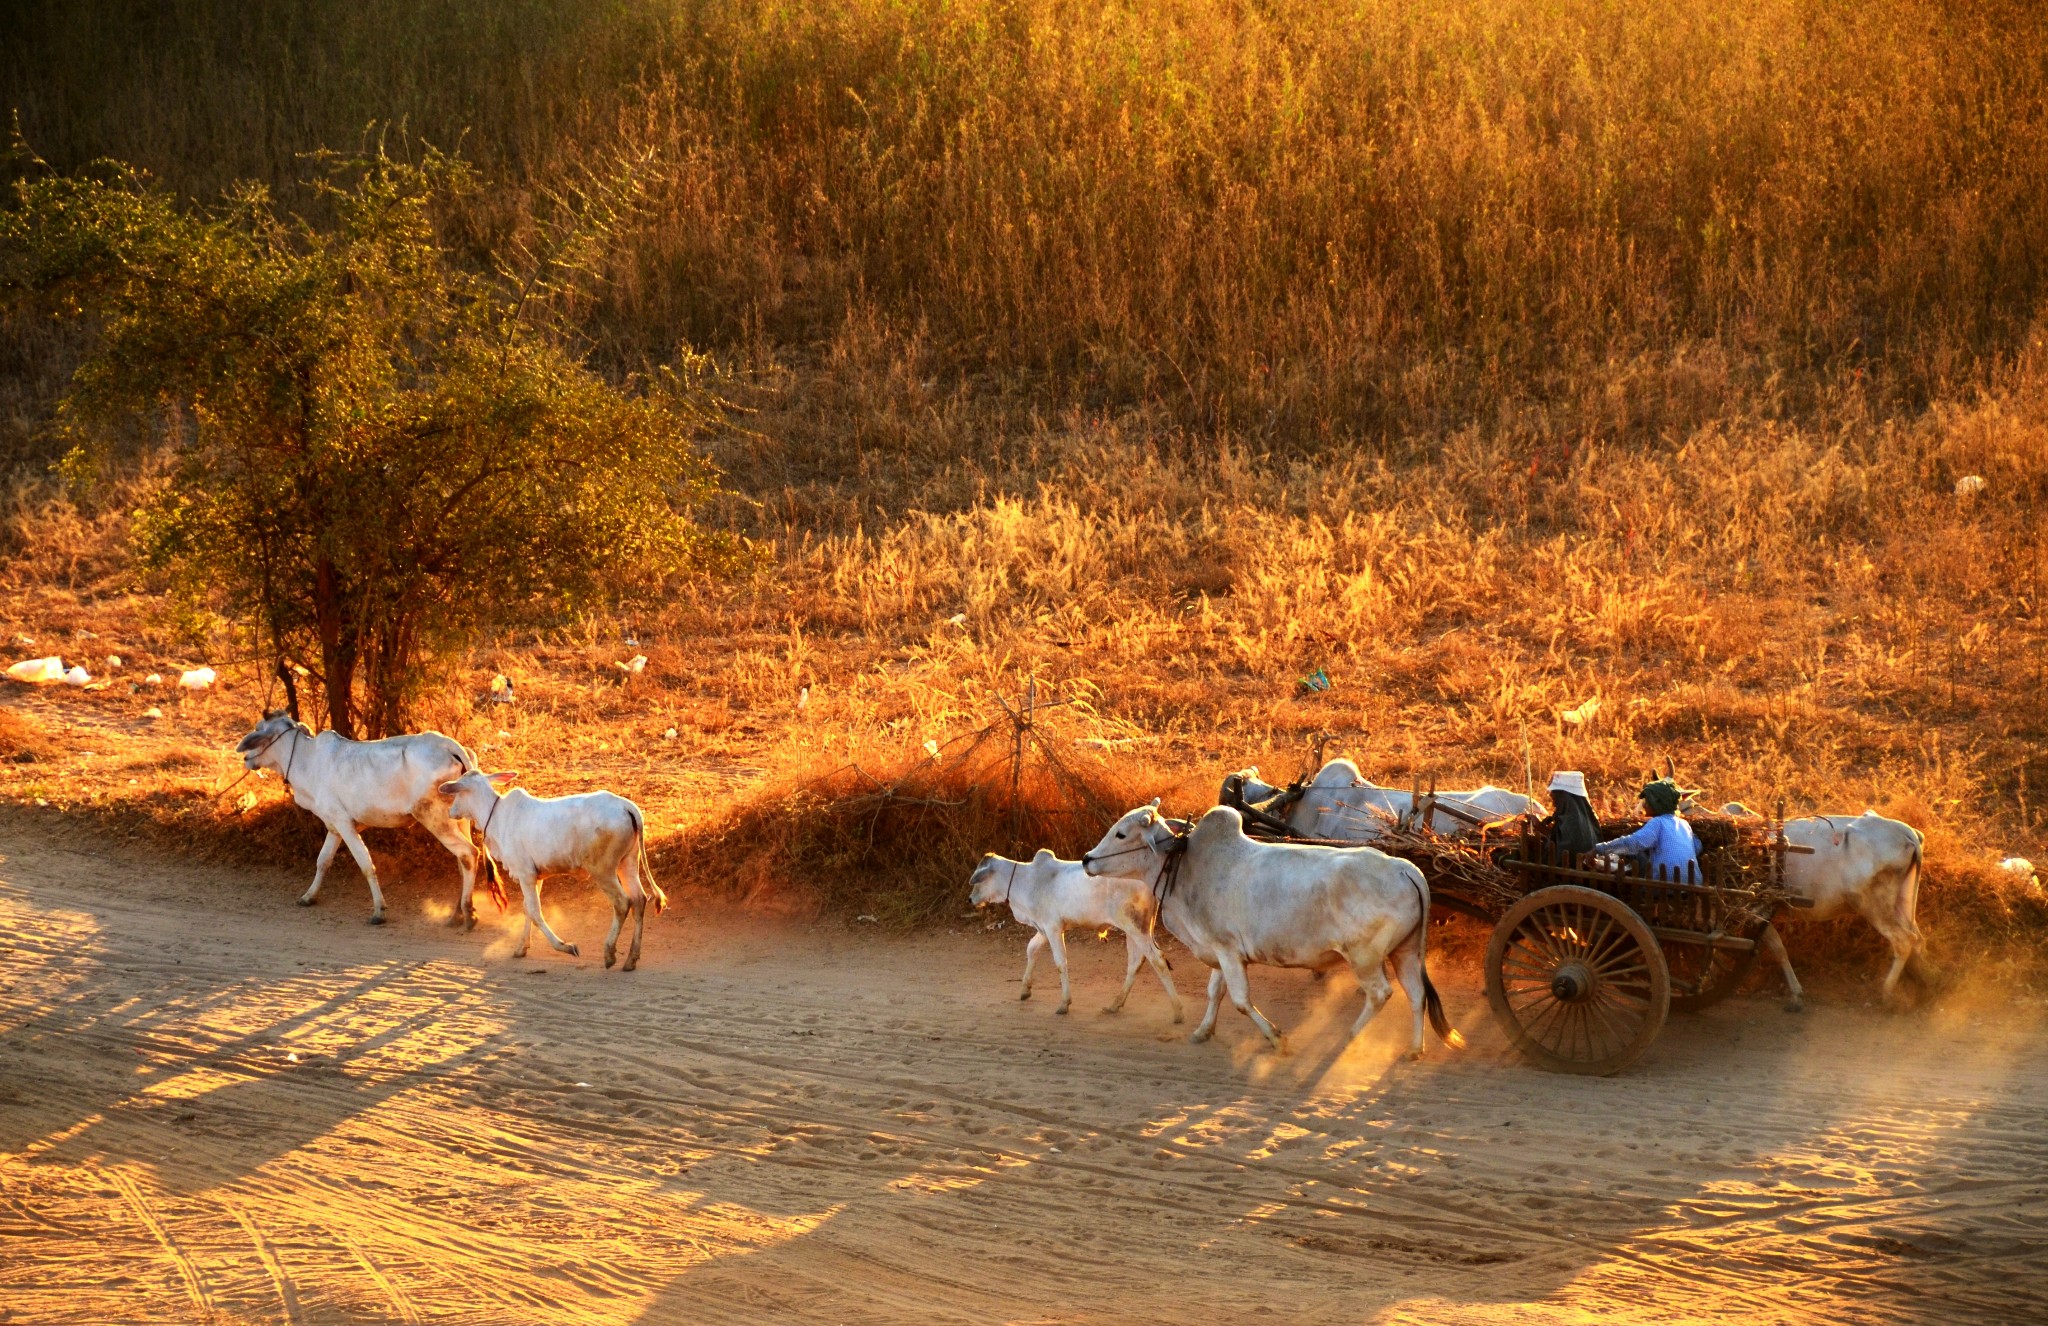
[113,660]
[634,665]
[24,642]
[38,671]
[2017,865]
[931,748]
[803,699]
[78,676]
[153,679]
[1969,485]
[669,735]
[501,689]
[152,712]
[957,619]
[196,679]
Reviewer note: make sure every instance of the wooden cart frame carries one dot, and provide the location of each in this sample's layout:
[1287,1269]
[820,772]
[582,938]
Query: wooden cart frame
[1589,955]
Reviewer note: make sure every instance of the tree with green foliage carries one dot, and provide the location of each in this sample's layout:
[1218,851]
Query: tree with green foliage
[380,454]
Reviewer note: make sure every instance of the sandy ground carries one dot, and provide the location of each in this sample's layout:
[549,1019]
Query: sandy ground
[217,1106]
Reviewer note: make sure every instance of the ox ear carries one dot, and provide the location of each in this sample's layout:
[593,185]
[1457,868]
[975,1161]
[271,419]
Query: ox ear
[450,789]
[502,780]
[1155,803]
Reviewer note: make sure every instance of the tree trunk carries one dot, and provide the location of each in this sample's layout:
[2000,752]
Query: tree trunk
[337,649]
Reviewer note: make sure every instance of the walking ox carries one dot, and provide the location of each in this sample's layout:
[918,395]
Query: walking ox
[530,836]
[1234,901]
[355,784]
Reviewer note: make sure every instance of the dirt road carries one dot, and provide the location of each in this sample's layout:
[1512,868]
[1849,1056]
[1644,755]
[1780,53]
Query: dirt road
[217,1106]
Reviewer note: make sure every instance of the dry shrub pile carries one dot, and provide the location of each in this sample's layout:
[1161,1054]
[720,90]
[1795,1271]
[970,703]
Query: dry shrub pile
[896,842]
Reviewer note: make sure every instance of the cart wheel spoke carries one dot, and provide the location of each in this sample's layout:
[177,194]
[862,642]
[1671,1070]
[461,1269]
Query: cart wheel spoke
[1578,980]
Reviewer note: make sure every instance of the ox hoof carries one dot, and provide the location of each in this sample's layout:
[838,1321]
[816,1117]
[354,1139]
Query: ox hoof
[1179,1017]
[307,902]
[1199,1035]
[631,964]
[469,923]
[611,959]
[1795,1006]
[1112,1009]
[1023,995]
[378,919]
[1061,1010]
[572,950]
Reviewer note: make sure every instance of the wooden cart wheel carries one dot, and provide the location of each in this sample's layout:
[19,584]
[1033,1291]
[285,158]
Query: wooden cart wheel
[1577,980]
[1702,977]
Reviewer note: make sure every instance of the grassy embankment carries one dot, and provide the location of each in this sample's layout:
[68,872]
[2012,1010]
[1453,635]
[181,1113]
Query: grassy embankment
[1492,356]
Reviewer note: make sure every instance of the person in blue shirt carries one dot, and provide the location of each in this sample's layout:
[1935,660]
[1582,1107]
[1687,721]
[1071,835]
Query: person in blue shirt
[1666,841]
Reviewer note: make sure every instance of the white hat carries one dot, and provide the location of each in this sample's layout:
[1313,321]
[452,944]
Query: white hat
[1568,780]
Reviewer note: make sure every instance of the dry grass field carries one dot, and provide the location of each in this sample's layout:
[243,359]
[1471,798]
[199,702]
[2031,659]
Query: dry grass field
[1492,357]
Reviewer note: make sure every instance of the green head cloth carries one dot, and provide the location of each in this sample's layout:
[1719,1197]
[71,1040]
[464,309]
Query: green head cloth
[1661,797]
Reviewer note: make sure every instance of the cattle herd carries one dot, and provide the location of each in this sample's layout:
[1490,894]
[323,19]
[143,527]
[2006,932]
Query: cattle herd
[1233,901]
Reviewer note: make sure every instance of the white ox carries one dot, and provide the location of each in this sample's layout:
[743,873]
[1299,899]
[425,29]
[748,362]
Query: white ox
[1236,901]
[530,836]
[1865,863]
[352,784]
[1049,895]
[1340,803]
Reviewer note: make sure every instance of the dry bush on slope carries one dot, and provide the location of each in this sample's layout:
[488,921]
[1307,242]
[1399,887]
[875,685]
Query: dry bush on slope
[898,841]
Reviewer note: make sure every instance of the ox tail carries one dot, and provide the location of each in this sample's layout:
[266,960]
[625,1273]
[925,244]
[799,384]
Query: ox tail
[1909,920]
[1432,1003]
[646,865]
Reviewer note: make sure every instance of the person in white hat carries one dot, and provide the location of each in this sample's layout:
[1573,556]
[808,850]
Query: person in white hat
[1572,825]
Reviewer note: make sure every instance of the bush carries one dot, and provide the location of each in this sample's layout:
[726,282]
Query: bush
[378,454]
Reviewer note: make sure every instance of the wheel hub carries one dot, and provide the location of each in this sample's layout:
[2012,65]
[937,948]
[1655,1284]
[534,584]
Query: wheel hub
[1571,983]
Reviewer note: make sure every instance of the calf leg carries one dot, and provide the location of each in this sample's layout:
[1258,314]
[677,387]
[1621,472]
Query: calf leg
[1241,998]
[1133,960]
[361,853]
[1031,952]
[608,880]
[327,851]
[1158,963]
[636,898]
[529,889]
[433,817]
[1207,1026]
[1056,940]
[1140,949]
[1774,946]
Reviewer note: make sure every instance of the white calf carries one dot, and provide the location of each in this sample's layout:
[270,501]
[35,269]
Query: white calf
[1049,895]
[352,784]
[531,836]
[1236,901]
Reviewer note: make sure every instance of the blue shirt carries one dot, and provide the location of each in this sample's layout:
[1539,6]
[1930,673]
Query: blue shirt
[1666,841]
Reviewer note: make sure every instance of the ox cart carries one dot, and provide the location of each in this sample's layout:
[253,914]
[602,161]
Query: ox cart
[1589,955]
